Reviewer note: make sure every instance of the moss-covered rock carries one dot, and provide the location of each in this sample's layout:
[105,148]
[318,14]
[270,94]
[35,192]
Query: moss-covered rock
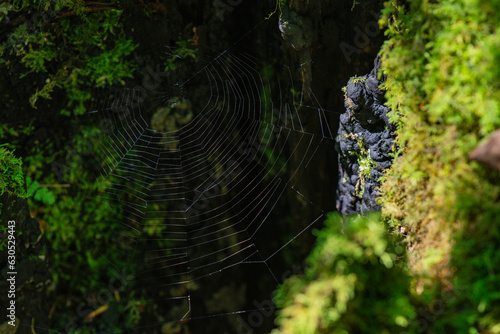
[365,140]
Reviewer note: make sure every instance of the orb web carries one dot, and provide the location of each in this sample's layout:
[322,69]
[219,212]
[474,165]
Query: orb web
[197,169]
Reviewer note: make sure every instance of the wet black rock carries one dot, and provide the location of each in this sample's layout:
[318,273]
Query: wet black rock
[364,142]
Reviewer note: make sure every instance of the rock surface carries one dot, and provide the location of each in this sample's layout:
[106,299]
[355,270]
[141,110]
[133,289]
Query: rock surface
[488,153]
[364,142]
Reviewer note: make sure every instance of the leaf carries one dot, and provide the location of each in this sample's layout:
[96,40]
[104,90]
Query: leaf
[45,196]
[32,186]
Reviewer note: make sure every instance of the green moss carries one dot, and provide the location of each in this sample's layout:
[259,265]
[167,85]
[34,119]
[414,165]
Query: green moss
[442,60]
[11,174]
[365,162]
[82,47]
[355,79]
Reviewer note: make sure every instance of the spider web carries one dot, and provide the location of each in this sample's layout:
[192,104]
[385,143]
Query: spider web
[201,182]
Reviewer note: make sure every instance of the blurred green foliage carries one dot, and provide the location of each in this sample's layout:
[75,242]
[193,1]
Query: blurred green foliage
[81,229]
[354,282]
[70,45]
[78,226]
[39,193]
